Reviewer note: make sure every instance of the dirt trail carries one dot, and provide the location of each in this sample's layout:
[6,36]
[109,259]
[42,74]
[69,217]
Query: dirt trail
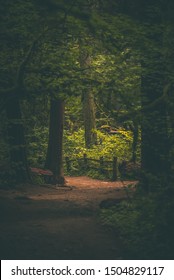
[49,222]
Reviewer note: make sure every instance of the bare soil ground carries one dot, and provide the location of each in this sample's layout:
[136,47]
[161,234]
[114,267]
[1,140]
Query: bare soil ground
[49,222]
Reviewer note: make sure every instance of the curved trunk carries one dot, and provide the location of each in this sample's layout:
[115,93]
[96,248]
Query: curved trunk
[155,142]
[16,140]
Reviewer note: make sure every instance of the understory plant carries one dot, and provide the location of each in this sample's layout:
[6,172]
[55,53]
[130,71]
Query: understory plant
[145,225]
[108,146]
[118,145]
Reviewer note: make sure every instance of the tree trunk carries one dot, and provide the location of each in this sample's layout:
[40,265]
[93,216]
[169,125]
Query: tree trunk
[88,100]
[135,131]
[155,142]
[89,119]
[169,58]
[155,146]
[16,137]
[16,140]
[54,160]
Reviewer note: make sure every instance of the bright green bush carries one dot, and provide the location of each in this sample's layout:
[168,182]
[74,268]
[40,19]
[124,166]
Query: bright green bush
[118,145]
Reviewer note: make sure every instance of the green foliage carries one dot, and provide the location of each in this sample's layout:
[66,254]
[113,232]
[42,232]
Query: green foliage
[118,145]
[145,225]
[74,144]
[37,146]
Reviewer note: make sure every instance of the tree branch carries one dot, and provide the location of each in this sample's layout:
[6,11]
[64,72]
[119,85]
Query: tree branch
[7,94]
[158,100]
[21,70]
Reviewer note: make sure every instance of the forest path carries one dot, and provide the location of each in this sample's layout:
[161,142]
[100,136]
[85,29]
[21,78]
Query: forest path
[48,222]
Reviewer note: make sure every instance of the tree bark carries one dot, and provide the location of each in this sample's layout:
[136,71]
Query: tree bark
[88,101]
[89,119]
[155,142]
[155,145]
[135,131]
[16,140]
[169,58]
[54,158]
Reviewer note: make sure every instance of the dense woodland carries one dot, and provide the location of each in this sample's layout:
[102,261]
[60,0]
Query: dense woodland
[96,78]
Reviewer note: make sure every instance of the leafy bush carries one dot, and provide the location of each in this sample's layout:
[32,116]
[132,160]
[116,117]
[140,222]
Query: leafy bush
[145,225]
[37,146]
[118,145]
[108,146]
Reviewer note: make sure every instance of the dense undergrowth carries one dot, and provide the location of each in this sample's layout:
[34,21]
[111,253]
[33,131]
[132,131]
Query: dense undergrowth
[108,146]
[144,224]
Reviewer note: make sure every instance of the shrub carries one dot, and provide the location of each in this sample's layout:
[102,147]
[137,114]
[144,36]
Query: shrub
[145,225]
[119,145]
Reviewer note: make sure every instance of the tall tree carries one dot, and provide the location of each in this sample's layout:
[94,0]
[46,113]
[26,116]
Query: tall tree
[169,70]
[18,30]
[155,141]
[54,160]
[87,98]
[11,103]
[149,38]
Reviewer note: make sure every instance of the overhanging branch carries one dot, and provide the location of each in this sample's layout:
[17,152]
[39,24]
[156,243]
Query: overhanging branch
[21,70]
[9,93]
[156,102]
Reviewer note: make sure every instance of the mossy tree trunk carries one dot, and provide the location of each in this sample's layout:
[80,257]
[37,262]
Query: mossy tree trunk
[155,137]
[155,142]
[16,141]
[87,99]
[16,137]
